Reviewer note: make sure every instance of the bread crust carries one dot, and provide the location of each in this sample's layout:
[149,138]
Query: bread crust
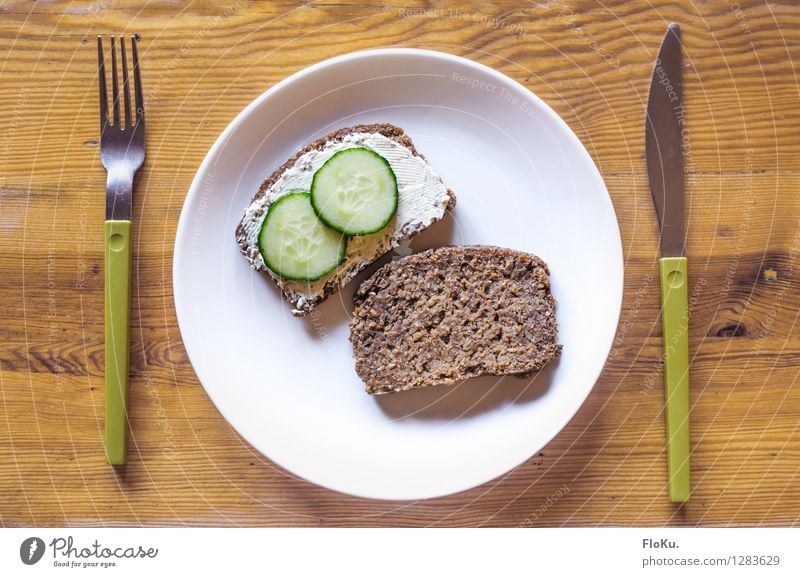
[302,306]
[452,313]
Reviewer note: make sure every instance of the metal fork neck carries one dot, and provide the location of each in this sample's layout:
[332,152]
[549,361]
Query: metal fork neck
[119,189]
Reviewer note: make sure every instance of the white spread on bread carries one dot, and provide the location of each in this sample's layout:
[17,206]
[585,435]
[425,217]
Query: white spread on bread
[422,199]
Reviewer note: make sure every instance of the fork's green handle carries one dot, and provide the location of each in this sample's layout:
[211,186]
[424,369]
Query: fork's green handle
[675,304]
[117,299]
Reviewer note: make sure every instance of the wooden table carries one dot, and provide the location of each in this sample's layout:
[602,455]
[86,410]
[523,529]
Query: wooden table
[591,61]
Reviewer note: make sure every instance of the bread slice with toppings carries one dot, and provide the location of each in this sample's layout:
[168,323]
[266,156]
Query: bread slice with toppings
[422,199]
[448,314]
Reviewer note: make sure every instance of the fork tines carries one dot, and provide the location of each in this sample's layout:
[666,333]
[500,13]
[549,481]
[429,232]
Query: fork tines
[137,84]
[122,149]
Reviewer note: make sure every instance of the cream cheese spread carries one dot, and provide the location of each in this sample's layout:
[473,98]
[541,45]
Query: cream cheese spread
[422,200]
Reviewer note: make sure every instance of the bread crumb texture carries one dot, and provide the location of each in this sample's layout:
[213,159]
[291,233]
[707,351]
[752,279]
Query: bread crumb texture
[448,314]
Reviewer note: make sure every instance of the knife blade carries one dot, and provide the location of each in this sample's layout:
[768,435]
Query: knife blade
[665,125]
[664,135]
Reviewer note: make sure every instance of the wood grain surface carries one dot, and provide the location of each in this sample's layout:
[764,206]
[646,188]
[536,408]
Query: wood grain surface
[591,61]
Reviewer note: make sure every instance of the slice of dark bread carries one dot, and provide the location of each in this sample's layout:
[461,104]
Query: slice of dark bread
[448,314]
[361,251]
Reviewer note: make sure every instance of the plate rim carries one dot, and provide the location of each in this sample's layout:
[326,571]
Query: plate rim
[183,229]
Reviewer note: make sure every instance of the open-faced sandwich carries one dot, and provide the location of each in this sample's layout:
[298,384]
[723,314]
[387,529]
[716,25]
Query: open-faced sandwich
[448,314]
[336,207]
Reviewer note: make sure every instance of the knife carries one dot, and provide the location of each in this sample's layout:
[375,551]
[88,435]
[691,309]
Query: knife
[664,131]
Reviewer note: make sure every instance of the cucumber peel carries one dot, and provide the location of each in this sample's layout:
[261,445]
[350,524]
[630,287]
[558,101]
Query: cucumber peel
[295,244]
[355,192]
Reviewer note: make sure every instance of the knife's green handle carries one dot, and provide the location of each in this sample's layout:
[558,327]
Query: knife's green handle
[117,350]
[675,306]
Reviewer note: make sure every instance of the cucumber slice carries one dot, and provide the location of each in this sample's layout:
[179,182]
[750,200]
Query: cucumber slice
[355,192]
[295,244]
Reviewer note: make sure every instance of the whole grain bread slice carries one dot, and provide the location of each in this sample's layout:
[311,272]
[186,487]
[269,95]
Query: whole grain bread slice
[448,314]
[306,296]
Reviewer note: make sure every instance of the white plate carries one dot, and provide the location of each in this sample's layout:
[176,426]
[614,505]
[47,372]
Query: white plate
[288,385]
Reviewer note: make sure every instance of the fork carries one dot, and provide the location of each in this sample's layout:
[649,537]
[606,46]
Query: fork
[122,153]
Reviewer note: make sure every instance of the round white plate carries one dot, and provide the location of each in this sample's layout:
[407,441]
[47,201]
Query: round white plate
[288,385]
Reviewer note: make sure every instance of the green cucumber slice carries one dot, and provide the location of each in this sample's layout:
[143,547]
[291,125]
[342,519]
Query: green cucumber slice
[295,244]
[355,192]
